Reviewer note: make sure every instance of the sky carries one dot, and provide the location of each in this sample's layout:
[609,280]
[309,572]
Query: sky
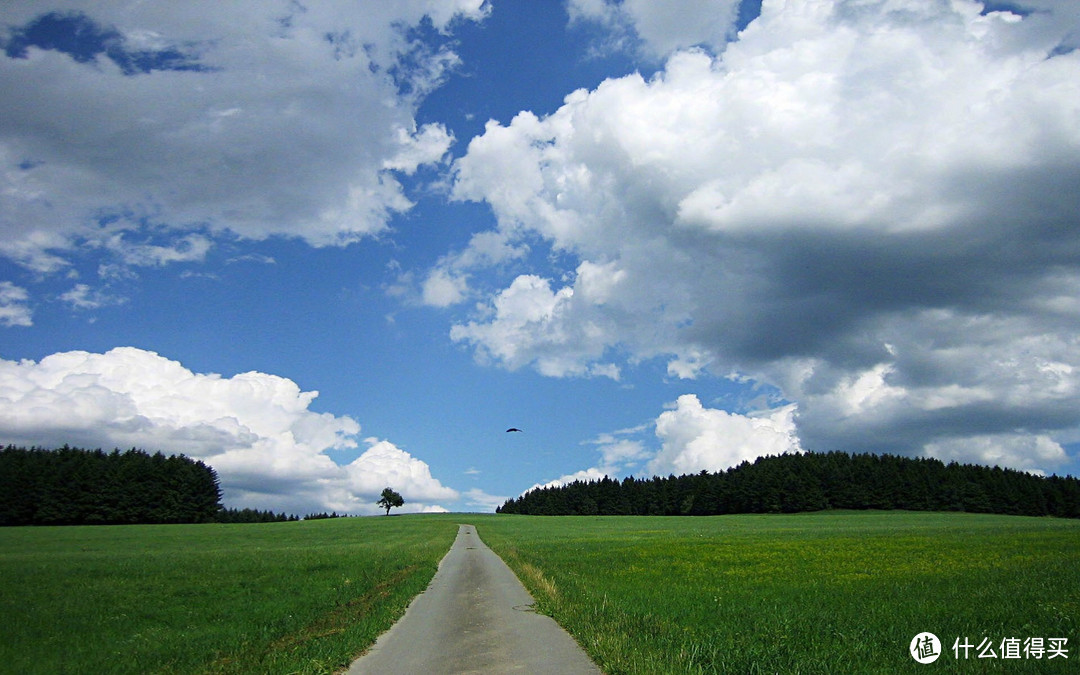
[331,247]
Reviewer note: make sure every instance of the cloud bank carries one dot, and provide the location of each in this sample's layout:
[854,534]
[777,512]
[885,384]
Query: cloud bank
[871,206]
[257,430]
[254,119]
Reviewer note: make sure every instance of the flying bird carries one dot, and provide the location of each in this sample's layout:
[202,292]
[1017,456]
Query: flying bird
[512,429]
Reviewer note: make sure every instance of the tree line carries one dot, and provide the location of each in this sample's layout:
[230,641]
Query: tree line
[249,515]
[810,481]
[71,486]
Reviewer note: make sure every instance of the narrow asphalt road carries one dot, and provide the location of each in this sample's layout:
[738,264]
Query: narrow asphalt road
[474,617]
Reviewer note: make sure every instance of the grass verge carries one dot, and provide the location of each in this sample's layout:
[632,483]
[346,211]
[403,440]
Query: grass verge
[302,597]
[807,593]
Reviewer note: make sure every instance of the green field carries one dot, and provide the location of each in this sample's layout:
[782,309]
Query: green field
[299,597]
[812,593]
[808,593]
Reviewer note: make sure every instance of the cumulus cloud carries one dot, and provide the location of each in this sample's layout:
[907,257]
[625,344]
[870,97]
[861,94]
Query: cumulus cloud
[257,118]
[695,438]
[442,289]
[559,332]
[869,205]
[426,146]
[527,306]
[255,429]
[384,463]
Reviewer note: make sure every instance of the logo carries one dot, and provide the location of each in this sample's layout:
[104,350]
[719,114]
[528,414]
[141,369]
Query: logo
[925,648]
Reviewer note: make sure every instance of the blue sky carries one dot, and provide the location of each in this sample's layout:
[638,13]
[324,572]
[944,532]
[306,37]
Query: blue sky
[659,239]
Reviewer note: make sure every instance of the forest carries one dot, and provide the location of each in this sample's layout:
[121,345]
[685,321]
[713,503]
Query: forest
[811,481]
[70,486]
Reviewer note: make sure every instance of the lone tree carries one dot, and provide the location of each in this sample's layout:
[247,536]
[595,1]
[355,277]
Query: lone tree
[389,499]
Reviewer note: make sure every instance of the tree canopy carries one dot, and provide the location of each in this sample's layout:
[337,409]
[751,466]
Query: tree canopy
[70,486]
[811,482]
[390,499]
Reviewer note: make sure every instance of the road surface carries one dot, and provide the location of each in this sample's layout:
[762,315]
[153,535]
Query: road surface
[474,617]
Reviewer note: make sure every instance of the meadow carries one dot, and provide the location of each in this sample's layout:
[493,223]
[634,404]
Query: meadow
[809,593]
[301,597]
[821,592]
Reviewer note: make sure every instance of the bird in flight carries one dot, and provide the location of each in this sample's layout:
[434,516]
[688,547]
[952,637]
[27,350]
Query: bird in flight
[512,429]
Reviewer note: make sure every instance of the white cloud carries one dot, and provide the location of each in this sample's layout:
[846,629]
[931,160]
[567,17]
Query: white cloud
[188,248]
[867,205]
[527,307]
[661,28]
[1017,451]
[286,119]
[255,429]
[479,499]
[620,451]
[82,297]
[559,332]
[442,289]
[620,454]
[692,438]
[14,310]
[426,146]
[384,464]
[447,283]
[585,476]
[696,438]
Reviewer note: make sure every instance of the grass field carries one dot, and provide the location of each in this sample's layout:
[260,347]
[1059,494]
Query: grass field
[254,598]
[807,593]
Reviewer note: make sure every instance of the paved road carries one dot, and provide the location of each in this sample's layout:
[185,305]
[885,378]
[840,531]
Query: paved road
[474,617]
